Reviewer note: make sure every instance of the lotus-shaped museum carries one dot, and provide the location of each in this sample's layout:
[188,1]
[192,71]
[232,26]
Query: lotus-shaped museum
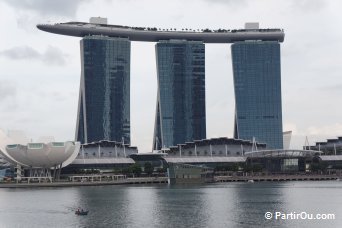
[38,155]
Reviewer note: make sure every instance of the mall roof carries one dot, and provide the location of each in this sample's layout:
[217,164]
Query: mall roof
[194,159]
[216,141]
[106,143]
[88,161]
[331,157]
[282,153]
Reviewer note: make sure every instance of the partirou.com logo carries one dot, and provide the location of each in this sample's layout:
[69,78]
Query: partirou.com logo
[279,215]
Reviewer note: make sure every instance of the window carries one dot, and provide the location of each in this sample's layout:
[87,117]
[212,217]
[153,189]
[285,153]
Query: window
[58,144]
[35,145]
[12,146]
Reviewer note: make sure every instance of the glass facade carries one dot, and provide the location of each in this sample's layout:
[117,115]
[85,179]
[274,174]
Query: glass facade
[257,84]
[104,101]
[180,109]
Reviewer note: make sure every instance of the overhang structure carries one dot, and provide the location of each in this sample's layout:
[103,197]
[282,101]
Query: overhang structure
[82,29]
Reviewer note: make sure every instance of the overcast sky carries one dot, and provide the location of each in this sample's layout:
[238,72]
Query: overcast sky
[40,72]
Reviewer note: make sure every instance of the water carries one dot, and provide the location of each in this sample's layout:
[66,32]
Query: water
[214,205]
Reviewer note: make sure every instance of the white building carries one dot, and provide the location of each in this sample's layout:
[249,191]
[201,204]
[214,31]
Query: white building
[38,159]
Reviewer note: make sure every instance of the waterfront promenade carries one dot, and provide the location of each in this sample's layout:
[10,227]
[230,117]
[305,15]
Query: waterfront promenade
[164,180]
[277,178]
[128,181]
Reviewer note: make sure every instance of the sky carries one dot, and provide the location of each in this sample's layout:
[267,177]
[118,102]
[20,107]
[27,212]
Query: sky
[40,72]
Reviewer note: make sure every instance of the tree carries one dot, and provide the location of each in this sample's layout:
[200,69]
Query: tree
[162,170]
[318,167]
[127,170]
[234,167]
[257,168]
[117,171]
[148,168]
[136,169]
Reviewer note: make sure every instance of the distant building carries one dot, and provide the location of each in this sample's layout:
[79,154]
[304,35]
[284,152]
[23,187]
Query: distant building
[330,147]
[102,155]
[37,160]
[215,147]
[104,112]
[283,161]
[104,100]
[179,173]
[106,149]
[180,111]
[287,139]
[257,85]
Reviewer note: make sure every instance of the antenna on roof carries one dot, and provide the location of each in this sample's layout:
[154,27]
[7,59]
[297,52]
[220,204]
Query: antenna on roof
[306,144]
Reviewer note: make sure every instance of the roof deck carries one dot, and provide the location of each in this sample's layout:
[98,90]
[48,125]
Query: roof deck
[153,34]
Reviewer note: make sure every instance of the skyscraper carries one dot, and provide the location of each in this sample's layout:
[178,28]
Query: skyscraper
[257,84]
[104,99]
[180,111]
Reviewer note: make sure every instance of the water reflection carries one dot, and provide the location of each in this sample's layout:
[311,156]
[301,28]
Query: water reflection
[215,205]
[314,198]
[182,206]
[253,200]
[107,205]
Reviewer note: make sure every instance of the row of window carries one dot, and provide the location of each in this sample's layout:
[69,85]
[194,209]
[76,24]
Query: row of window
[207,153]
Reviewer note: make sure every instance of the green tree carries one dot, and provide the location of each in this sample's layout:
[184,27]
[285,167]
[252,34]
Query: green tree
[162,170]
[117,171]
[127,170]
[318,167]
[148,168]
[136,169]
[257,168]
[234,167]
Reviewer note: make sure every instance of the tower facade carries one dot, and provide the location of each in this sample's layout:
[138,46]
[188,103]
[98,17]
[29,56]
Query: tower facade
[180,109]
[257,85]
[104,99]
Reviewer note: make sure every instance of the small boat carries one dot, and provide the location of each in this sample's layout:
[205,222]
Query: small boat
[250,181]
[81,212]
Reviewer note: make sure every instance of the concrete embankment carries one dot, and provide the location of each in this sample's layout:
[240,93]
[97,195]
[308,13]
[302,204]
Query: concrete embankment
[164,180]
[276,178]
[152,180]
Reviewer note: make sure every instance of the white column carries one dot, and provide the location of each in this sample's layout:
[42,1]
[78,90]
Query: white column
[226,150]
[211,150]
[116,151]
[195,150]
[156,144]
[241,149]
[123,144]
[99,151]
[82,151]
[180,151]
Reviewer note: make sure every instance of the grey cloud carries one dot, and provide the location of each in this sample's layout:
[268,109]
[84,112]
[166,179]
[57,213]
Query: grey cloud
[309,5]
[22,52]
[231,2]
[332,88]
[54,7]
[7,90]
[228,2]
[52,55]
